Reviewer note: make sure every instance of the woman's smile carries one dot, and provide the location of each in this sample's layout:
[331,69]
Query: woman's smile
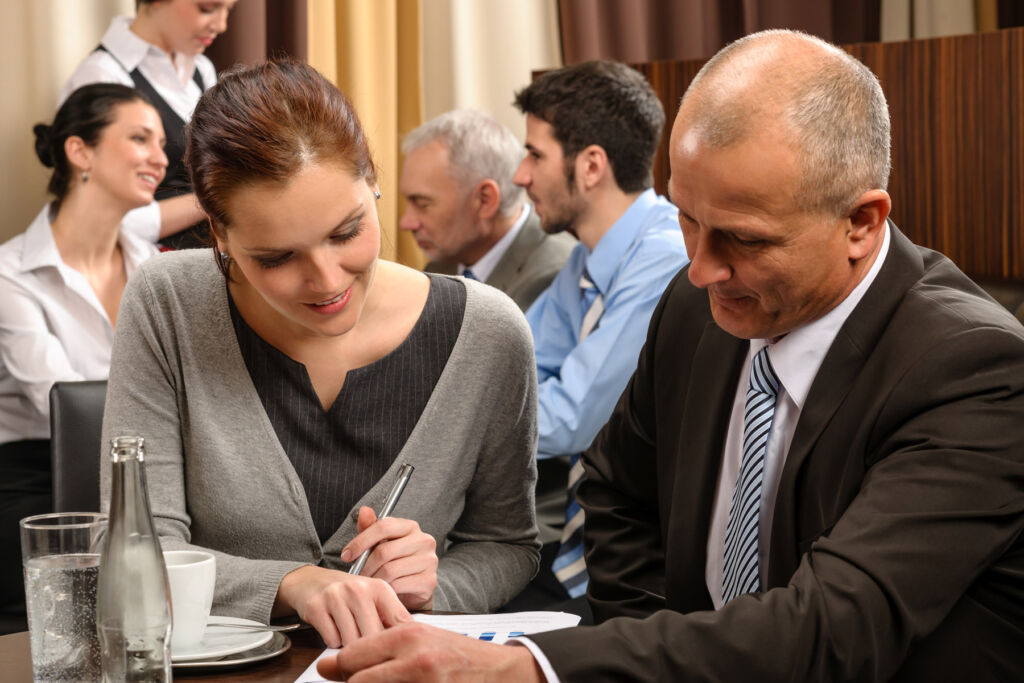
[333,305]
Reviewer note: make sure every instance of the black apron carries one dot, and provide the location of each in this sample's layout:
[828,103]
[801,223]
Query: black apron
[176,181]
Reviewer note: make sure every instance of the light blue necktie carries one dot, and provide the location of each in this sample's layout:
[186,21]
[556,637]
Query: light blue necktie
[740,570]
[569,566]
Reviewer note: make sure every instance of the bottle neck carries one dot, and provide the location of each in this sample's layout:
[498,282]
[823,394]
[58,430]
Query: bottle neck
[129,501]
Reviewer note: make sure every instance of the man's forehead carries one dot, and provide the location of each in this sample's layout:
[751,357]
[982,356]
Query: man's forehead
[428,163]
[435,150]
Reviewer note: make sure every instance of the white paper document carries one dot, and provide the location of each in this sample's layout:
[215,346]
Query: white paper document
[496,628]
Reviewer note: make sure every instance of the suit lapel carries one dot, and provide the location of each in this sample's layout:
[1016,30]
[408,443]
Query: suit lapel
[706,411]
[838,373]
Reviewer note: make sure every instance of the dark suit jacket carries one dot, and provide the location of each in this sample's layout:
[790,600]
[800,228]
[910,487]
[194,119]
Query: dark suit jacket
[896,547]
[528,266]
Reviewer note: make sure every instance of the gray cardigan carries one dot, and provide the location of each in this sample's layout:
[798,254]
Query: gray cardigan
[219,479]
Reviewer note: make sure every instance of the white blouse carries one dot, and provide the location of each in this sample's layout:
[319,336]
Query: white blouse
[52,326]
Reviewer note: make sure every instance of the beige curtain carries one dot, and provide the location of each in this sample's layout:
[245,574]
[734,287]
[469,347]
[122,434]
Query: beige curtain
[371,50]
[41,43]
[477,53]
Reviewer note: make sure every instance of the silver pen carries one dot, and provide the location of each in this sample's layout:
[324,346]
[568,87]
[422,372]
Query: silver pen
[389,505]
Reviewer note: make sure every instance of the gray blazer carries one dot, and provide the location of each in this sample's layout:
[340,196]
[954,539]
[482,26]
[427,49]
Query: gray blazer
[528,266]
[219,479]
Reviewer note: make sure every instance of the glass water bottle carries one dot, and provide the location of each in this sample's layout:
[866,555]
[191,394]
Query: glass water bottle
[133,614]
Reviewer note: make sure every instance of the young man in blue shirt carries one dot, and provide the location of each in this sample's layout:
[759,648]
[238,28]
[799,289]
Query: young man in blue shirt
[591,134]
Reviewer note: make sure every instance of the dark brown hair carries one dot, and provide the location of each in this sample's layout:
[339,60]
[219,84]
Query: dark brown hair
[85,113]
[265,124]
[601,103]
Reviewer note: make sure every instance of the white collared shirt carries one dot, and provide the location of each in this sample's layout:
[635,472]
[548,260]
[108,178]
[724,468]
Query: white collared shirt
[52,326]
[172,80]
[796,359]
[486,264]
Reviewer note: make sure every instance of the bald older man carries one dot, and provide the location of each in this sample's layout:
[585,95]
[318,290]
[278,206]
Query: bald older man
[816,471]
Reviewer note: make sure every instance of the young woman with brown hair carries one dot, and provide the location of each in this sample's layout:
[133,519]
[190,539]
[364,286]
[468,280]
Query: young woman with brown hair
[281,382]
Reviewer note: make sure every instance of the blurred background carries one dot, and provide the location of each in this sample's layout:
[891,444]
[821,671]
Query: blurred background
[405,61]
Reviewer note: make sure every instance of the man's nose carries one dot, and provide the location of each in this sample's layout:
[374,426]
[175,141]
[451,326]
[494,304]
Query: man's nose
[522,175]
[706,265]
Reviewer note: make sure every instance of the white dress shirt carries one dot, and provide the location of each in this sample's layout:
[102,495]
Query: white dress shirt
[796,358]
[486,264]
[52,326]
[172,80]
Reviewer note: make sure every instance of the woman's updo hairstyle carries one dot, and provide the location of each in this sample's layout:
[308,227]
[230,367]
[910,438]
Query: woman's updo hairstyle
[85,113]
[265,124]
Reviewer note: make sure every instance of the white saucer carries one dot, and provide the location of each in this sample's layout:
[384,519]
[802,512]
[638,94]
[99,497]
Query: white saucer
[219,642]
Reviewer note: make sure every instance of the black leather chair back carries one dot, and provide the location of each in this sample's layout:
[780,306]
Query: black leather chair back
[76,419]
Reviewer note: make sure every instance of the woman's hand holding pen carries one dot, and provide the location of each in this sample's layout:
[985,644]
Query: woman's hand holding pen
[402,555]
[340,606]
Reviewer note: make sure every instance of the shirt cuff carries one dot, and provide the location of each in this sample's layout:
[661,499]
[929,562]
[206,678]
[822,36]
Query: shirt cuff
[545,665]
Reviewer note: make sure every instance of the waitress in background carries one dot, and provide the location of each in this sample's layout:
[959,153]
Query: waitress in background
[160,52]
[60,287]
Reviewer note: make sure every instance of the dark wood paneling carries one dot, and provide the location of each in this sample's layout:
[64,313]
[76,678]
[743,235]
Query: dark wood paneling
[957,108]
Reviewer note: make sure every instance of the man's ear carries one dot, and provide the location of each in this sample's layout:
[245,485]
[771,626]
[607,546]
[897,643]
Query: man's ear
[867,219]
[592,166]
[488,198]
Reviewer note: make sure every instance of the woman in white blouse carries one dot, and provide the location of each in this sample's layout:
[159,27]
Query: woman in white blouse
[61,283]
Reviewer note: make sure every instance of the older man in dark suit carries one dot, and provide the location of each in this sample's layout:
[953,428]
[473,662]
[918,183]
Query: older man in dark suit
[816,472]
[466,213]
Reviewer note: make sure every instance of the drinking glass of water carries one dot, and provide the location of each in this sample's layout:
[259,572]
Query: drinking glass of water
[60,556]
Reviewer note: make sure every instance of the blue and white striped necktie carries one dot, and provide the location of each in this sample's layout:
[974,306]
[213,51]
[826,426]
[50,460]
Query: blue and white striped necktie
[740,569]
[569,566]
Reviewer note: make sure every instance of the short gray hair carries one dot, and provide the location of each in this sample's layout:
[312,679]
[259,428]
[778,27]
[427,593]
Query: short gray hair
[833,103]
[479,147]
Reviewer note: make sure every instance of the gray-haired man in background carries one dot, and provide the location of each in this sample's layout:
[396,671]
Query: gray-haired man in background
[466,213]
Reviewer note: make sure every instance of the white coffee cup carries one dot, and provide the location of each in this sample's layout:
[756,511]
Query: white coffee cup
[192,575]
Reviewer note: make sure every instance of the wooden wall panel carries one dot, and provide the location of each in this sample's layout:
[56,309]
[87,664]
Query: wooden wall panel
[957,109]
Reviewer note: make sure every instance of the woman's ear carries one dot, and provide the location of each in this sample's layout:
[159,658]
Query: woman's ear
[79,154]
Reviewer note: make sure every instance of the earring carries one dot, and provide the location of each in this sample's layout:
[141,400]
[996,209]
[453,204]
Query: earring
[85,176]
[376,194]
[225,258]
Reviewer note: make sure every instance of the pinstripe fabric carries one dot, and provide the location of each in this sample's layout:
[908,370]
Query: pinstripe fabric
[340,453]
[740,571]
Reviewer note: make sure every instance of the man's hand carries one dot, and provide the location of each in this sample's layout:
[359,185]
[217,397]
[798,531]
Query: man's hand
[403,556]
[417,652]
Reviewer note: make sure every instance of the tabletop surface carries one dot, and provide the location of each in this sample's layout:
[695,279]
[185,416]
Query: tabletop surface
[16,662]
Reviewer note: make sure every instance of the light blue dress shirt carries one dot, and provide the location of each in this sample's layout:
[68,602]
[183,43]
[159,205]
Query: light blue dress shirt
[580,382]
